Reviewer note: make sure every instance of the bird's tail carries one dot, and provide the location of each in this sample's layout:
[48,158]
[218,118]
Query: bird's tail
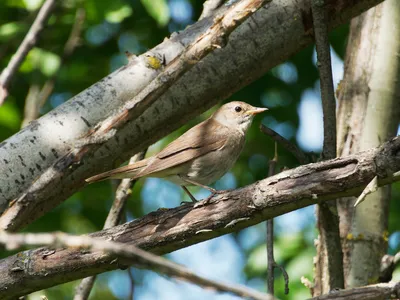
[129,171]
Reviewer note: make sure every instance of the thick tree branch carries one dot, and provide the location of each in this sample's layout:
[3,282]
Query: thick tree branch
[129,253]
[370,292]
[164,231]
[27,44]
[267,38]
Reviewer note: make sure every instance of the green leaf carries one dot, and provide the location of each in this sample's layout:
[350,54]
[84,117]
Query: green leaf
[117,15]
[9,29]
[47,62]
[158,9]
[9,115]
[33,5]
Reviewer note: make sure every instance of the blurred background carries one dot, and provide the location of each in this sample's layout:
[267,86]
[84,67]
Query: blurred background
[106,29]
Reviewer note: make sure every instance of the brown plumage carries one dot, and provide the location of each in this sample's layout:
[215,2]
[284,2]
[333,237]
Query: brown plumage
[201,155]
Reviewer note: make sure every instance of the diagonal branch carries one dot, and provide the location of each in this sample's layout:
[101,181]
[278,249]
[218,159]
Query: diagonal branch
[164,231]
[129,253]
[27,44]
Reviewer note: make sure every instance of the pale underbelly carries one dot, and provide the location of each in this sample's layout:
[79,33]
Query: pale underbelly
[208,168]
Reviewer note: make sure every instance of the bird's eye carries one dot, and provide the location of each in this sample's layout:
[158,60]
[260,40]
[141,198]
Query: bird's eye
[238,109]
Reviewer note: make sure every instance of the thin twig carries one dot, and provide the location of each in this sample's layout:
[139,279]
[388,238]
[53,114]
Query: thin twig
[132,286]
[128,252]
[33,104]
[114,216]
[289,146]
[270,239]
[370,188]
[27,44]
[209,7]
[329,265]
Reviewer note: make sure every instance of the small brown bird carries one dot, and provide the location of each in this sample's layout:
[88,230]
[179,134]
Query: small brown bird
[200,156]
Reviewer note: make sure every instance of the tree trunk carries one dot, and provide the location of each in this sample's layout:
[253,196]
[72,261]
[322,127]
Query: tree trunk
[368,115]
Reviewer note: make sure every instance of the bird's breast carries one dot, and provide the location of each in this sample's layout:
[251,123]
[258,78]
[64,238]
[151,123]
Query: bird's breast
[213,165]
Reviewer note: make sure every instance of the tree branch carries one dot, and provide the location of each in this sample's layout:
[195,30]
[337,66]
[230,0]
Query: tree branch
[292,148]
[27,44]
[329,264]
[122,251]
[370,292]
[270,237]
[388,264]
[114,218]
[209,7]
[164,231]
[252,50]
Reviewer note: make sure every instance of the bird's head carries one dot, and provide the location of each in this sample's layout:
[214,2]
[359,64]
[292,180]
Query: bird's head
[237,115]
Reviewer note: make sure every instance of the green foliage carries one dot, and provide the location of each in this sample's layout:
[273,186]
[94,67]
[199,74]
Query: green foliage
[112,27]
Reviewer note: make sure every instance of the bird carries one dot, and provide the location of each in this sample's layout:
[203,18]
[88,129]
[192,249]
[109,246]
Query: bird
[200,156]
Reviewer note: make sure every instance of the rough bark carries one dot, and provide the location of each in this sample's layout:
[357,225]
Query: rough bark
[368,113]
[270,36]
[164,231]
[371,292]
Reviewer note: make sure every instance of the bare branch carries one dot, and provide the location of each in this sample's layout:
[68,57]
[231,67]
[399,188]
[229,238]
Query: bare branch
[270,238]
[114,216]
[27,44]
[122,194]
[209,7]
[329,263]
[369,292]
[289,146]
[168,230]
[128,252]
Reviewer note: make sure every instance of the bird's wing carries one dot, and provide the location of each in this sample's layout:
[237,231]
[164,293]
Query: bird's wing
[199,140]
[129,171]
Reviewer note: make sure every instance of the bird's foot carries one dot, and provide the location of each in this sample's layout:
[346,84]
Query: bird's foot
[213,193]
[187,202]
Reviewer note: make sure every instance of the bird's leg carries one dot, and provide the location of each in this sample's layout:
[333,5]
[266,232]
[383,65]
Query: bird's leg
[189,193]
[213,191]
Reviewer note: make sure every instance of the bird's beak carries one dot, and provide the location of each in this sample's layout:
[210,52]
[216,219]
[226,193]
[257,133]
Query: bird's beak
[256,110]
